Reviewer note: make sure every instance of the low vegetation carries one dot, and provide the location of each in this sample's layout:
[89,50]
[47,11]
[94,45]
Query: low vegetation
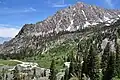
[8,62]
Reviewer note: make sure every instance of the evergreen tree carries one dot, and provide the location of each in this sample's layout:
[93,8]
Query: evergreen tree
[0,77]
[78,62]
[93,64]
[6,77]
[71,69]
[85,55]
[105,58]
[34,73]
[52,71]
[75,68]
[117,67]
[108,63]
[66,76]
[109,74]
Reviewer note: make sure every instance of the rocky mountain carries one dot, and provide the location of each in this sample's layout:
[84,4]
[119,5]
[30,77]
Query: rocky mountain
[70,23]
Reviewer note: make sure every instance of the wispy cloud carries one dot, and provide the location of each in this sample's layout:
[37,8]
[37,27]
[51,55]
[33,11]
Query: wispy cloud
[14,10]
[57,4]
[110,4]
[60,5]
[8,31]
[29,10]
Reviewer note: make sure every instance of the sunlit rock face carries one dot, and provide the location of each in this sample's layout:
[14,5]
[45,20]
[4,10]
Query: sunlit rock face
[27,71]
[71,19]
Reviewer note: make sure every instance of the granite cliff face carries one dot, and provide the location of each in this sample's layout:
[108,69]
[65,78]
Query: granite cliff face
[63,25]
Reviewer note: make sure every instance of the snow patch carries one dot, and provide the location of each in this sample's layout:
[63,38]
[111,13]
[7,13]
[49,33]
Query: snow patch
[72,22]
[86,24]
[68,29]
[103,31]
[70,26]
[109,14]
[57,29]
[106,18]
[112,20]
[94,23]
[37,34]
[117,18]
[107,24]
[51,31]
[119,15]
[78,27]
[74,15]
[84,14]
[74,9]
[101,20]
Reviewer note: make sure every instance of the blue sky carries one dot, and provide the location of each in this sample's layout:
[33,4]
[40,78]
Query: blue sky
[15,13]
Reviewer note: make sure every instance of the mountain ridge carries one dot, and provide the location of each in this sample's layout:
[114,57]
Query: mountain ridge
[74,18]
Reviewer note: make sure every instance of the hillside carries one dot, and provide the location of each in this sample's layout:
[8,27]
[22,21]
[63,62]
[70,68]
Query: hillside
[72,19]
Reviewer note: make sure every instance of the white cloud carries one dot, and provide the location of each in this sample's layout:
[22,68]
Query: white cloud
[6,31]
[60,5]
[109,2]
[29,10]
[14,10]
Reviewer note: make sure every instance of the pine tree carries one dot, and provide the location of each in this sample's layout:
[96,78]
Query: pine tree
[34,73]
[75,68]
[52,71]
[93,64]
[85,55]
[85,58]
[105,58]
[108,63]
[117,67]
[78,62]
[71,69]
[109,73]
[66,76]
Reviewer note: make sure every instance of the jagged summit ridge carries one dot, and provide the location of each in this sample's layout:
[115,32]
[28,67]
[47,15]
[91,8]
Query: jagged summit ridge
[73,18]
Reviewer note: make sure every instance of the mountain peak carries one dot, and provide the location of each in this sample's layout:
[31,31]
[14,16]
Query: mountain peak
[80,4]
[71,19]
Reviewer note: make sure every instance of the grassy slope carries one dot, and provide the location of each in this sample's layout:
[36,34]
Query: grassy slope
[59,52]
[8,62]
